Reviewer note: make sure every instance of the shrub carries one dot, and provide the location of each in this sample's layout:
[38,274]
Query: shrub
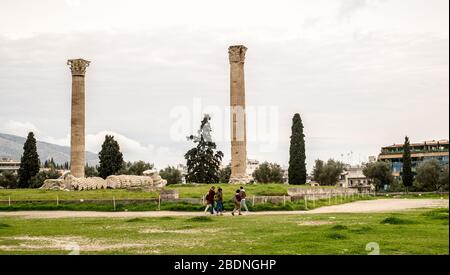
[171,174]
[336,236]
[339,227]
[395,220]
[38,180]
[200,219]
[8,179]
[268,172]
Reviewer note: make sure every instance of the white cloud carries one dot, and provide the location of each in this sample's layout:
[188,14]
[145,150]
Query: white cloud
[363,80]
[132,149]
[348,7]
[19,128]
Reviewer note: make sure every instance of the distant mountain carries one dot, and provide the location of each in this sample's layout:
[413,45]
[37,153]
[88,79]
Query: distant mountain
[11,146]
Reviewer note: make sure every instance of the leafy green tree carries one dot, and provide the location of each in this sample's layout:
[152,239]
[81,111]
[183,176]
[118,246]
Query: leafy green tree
[135,168]
[111,159]
[203,161]
[50,163]
[38,180]
[327,173]
[8,179]
[29,162]
[380,173]
[297,157]
[396,186]
[171,174]
[268,173]
[90,171]
[317,170]
[331,172]
[431,176]
[224,174]
[407,176]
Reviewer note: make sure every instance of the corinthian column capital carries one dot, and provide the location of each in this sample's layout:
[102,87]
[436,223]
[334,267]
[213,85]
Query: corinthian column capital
[78,66]
[237,53]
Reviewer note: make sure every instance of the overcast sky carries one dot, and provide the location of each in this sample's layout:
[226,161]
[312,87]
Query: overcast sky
[362,73]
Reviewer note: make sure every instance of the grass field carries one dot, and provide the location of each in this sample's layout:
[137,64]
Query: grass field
[414,232]
[185,191]
[107,205]
[36,199]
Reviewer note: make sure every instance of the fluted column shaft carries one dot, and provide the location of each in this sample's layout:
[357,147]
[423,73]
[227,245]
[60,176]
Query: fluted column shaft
[238,118]
[77,136]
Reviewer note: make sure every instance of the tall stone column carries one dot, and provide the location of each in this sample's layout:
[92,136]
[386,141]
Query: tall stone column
[77,142]
[238,122]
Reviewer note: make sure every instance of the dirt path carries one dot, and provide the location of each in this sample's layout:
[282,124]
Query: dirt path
[372,206]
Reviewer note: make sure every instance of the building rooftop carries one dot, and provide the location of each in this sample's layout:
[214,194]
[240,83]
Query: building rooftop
[430,142]
[8,160]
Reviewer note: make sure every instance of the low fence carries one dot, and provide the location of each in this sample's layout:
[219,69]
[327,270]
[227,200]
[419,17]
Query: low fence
[251,200]
[171,196]
[410,193]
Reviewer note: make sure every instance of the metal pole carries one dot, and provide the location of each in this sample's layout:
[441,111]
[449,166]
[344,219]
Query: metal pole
[306,202]
[253,200]
[9,201]
[114,203]
[57,201]
[159,202]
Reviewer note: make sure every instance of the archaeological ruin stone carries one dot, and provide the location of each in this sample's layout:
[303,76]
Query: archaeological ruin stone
[77,136]
[236,56]
[69,182]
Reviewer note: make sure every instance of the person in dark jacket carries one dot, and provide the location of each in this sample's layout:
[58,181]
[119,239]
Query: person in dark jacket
[210,200]
[237,202]
[219,202]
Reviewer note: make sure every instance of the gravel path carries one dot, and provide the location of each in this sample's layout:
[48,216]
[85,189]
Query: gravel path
[372,206]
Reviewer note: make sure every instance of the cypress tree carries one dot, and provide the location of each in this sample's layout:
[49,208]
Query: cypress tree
[407,176]
[203,161]
[111,159]
[29,162]
[297,157]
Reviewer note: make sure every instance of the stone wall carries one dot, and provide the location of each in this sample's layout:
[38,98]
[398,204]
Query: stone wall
[320,193]
[268,199]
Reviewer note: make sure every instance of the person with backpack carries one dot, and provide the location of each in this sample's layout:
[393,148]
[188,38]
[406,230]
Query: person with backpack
[210,200]
[237,202]
[219,202]
[243,196]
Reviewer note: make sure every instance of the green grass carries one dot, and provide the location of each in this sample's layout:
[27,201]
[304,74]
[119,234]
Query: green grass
[38,194]
[200,219]
[339,227]
[108,206]
[36,199]
[414,196]
[396,220]
[185,191]
[334,234]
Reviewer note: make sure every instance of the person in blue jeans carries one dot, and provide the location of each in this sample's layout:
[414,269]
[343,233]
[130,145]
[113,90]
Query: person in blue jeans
[219,202]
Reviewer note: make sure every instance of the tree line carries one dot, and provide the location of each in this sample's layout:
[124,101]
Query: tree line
[30,174]
[204,159]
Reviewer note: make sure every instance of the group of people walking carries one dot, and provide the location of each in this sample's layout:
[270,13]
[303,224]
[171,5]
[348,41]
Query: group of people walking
[214,201]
